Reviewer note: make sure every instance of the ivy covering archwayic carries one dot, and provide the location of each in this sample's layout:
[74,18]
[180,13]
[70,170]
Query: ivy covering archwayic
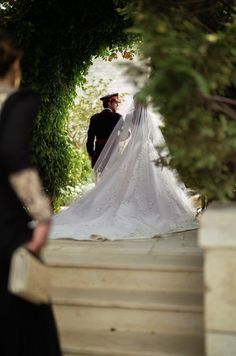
[59,39]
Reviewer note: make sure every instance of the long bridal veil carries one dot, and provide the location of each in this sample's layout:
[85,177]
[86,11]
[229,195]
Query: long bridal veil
[133,198]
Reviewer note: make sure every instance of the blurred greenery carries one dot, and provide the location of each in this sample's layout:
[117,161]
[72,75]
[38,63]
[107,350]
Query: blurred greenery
[188,54]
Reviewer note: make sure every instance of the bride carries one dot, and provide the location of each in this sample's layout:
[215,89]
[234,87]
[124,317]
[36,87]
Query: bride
[133,198]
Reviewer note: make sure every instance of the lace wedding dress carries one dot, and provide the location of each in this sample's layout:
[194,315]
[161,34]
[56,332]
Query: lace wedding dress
[133,198]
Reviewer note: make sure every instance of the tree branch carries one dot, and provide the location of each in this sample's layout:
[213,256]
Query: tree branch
[221,99]
[225,109]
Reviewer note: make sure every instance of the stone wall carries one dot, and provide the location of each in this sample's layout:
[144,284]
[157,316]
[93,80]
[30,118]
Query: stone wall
[217,237]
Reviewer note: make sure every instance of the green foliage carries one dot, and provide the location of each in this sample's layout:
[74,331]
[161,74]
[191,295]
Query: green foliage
[80,174]
[79,165]
[87,104]
[59,39]
[190,58]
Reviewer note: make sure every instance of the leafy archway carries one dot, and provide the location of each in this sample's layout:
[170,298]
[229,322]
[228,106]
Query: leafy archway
[59,39]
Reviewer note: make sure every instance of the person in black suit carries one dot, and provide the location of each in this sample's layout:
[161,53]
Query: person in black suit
[101,126]
[25,329]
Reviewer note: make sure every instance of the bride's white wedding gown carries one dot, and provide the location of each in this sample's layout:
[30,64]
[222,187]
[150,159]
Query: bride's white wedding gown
[133,198]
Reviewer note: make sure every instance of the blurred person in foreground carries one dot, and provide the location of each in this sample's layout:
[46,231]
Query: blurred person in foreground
[26,329]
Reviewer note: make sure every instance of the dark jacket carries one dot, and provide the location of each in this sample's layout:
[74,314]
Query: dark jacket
[25,329]
[16,123]
[100,128]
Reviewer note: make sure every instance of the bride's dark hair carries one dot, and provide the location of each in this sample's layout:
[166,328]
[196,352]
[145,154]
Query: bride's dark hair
[139,110]
[9,52]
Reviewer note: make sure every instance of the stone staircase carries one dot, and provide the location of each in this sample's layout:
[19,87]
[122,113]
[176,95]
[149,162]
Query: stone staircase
[128,298]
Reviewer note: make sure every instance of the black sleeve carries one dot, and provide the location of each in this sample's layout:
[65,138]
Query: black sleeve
[91,137]
[17,118]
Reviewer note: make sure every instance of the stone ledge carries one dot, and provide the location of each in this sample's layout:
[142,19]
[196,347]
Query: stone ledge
[131,344]
[146,300]
[221,344]
[218,226]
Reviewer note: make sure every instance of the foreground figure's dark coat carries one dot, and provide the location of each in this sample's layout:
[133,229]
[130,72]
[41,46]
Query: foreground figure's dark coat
[25,329]
[100,128]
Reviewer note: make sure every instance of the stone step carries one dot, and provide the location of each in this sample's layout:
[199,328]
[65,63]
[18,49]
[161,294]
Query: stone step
[114,260]
[128,311]
[170,273]
[181,301]
[181,243]
[100,343]
[171,262]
